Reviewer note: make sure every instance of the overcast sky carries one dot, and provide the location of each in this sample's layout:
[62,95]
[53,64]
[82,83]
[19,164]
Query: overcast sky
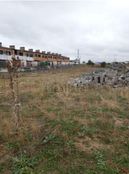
[98,28]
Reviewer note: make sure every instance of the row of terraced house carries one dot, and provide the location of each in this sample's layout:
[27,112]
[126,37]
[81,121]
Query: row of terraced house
[31,58]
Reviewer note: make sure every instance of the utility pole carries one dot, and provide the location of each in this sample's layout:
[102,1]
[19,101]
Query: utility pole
[78,56]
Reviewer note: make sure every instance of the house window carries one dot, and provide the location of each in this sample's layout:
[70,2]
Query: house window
[1,52]
[31,55]
[21,54]
[16,52]
[2,63]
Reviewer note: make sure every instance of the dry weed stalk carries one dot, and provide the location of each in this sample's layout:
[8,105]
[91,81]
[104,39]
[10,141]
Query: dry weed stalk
[13,65]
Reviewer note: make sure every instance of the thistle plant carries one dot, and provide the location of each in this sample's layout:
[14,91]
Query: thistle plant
[12,66]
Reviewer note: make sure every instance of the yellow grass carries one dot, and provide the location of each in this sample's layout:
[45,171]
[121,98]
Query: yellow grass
[47,97]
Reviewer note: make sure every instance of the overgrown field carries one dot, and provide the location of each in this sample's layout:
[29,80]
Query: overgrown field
[64,130]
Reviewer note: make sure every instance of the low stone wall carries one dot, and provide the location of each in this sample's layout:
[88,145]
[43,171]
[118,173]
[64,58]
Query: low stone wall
[115,77]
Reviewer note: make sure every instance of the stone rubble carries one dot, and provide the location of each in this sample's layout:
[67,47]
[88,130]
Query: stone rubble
[117,75]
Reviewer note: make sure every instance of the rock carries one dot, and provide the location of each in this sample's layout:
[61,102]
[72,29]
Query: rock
[116,76]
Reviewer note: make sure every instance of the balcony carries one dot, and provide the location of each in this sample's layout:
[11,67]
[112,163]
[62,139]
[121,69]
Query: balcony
[22,58]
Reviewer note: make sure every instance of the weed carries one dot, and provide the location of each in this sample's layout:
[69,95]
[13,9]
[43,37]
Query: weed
[87,131]
[57,118]
[70,127]
[1,168]
[22,165]
[102,166]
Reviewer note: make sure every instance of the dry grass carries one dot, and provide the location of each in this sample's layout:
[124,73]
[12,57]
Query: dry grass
[60,122]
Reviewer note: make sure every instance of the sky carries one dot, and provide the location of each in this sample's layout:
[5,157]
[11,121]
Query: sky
[98,28]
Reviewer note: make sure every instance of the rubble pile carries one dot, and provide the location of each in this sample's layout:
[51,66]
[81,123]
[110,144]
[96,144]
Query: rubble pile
[117,75]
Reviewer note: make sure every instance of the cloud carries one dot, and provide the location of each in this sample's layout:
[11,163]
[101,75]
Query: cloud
[99,28]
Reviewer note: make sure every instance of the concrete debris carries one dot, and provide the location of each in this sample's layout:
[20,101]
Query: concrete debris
[117,75]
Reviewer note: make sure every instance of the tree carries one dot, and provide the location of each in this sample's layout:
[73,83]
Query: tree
[43,64]
[90,63]
[103,64]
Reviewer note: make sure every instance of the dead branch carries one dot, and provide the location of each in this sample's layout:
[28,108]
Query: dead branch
[13,65]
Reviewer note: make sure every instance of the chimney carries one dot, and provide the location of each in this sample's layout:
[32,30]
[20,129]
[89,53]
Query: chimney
[48,52]
[12,46]
[43,52]
[0,44]
[38,51]
[22,48]
[31,50]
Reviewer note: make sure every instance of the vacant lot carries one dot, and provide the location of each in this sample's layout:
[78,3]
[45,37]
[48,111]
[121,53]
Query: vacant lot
[64,130]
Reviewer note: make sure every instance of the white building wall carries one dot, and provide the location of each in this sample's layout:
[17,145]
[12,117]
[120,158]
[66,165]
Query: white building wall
[54,63]
[34,63]
[5,57]
[23,59]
